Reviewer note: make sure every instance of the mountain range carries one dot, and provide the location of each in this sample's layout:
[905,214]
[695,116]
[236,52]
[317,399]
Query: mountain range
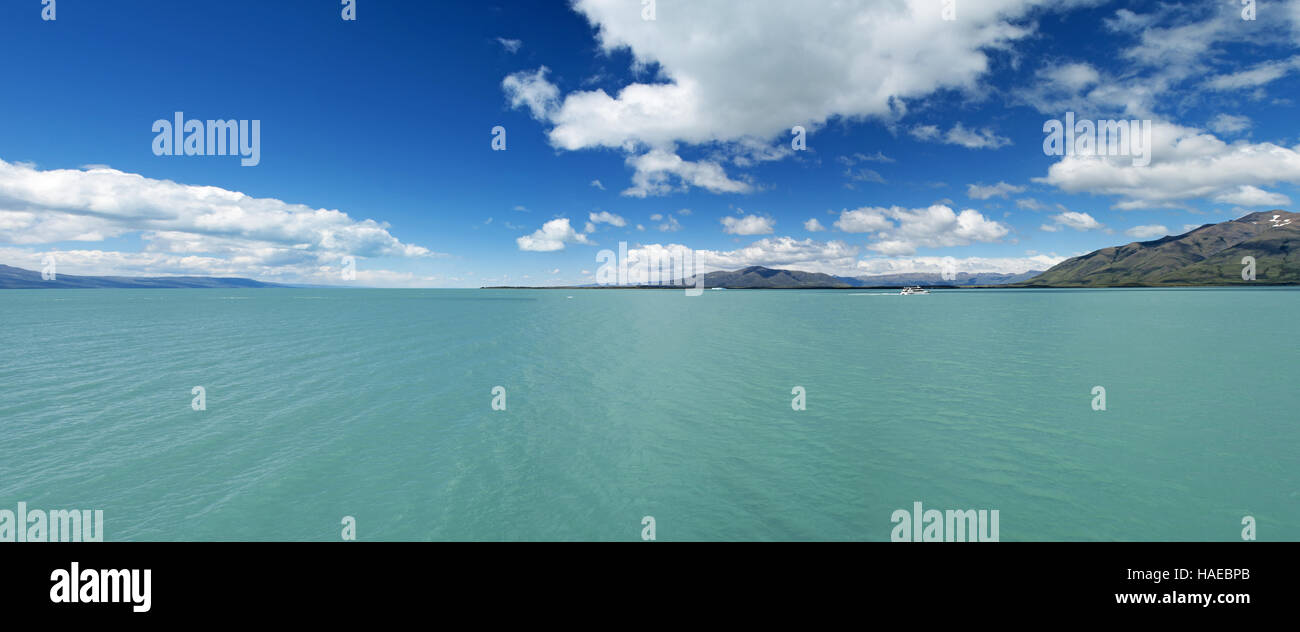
[12,278]
[1210,255]
[1213,254]
[758,277]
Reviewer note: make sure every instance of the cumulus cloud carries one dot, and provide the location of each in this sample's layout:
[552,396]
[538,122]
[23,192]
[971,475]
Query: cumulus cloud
[155,264]
[870,55]
[870,58]
[958,135]
[1147,232]
[863,220]
[1229,124]
[606,217]
[813,226]
[1186,163]
[831,257]
[227,231]
[901,231]
[660,171]
[747,225]
[552,236]
[533,91]
[1075,220]
[970,265]
[1247,195]
[937,226]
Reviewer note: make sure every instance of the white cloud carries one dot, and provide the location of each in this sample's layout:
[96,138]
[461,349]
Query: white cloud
[155,264]
[1254,77]
[813,226]
[832,257]
[552,236]
[863,220]
[937,226]
[1292,10]
[970,265]
[983,138]
[227,231]
[1186,164]
[1001,189]
[606,217]
[1229,123]
[596,184]
[671,225]
[869,55]
[1247,195]
[1147,232]
[869,59]
[864,175]
[1178,42]
[1166,55]
[747,225]
[1074,77]
[658,169]
[532,90]
[510,45]
[1077,221]
[901,231]
[855,158]
[925,132]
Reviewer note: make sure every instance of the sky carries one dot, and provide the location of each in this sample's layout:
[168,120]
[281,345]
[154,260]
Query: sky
[447,144]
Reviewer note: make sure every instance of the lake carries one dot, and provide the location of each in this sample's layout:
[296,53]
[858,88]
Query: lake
[615,405]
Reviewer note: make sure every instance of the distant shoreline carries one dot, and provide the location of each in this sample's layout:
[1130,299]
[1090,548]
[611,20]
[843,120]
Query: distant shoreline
[900,287]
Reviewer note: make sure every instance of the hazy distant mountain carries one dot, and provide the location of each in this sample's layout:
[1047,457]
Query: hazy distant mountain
[1209,255]
[12,278]
[934,278]
[756,277]
[759,277]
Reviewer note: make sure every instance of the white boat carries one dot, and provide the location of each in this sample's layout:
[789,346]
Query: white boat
[908,291]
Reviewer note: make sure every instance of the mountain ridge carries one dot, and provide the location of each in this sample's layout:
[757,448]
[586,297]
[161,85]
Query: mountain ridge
[12,278]
[1208,255]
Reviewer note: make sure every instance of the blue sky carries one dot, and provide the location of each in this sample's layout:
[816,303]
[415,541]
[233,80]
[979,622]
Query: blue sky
[924,135]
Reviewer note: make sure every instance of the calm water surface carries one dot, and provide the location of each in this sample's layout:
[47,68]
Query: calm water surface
[621,404]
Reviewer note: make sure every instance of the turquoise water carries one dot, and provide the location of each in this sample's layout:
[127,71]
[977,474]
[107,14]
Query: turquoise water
[377,404]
